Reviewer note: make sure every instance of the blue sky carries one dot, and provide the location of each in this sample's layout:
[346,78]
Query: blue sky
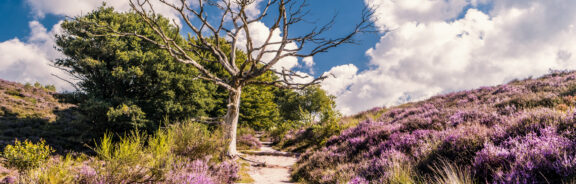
[18,13]
[434,47]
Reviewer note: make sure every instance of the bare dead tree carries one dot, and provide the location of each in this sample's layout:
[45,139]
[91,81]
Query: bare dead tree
[232,24]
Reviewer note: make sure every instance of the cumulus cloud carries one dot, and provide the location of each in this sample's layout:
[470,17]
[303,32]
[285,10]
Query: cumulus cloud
[31,60]
[433,49]
[259,33]
[391,14]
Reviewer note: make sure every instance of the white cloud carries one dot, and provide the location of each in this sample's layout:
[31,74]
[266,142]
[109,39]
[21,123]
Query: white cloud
[259,33]
[431,50]
[309,63]
[341,77]
[393,13]
[31,61]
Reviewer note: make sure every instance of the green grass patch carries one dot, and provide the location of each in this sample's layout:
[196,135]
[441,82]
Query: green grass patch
[243,172]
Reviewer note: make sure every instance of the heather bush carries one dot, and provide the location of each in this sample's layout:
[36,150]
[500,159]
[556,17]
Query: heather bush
[248,142]
[538,157]
[176,154]
[390,167]
[197,140]
[459,146]
[200,172]
[247,139]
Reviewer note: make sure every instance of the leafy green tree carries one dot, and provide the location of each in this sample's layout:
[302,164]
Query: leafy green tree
[128,81]
[311,104]
[258,108]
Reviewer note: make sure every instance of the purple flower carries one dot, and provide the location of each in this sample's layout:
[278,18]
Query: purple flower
[9,180]
[525,158]
[358,180]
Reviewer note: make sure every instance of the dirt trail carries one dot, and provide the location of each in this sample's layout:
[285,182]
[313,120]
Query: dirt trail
[275,168]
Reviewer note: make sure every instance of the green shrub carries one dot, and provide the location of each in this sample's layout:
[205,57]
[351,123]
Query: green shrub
[160,148]
[50,88]
[127,114]
[27,155]
[123,157]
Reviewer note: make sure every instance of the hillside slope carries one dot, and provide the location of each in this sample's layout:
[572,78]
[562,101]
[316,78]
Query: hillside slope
[521,132]
[34,112]
[18,101]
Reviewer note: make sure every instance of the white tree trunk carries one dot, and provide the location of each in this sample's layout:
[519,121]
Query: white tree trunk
[231,119]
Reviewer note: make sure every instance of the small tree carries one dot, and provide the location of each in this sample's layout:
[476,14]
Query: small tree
[220,42]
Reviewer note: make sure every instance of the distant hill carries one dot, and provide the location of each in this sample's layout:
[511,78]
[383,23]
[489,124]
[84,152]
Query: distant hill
[34,111]
[520,132]
[26,101]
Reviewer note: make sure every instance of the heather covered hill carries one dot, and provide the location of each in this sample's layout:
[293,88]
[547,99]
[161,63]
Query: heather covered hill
[28,101]
[35,112]
[520,132]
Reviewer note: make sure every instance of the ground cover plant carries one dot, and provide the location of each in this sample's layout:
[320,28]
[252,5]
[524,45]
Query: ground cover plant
[520,132]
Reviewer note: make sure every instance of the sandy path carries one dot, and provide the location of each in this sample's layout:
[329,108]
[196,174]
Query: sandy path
[276,168]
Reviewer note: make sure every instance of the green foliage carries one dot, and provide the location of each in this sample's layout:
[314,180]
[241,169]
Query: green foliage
[309,104]
[50,88]
[310,110]
[258,109]
[131,114]
[322,132]
[27,155]
[131,152]
[114,71]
